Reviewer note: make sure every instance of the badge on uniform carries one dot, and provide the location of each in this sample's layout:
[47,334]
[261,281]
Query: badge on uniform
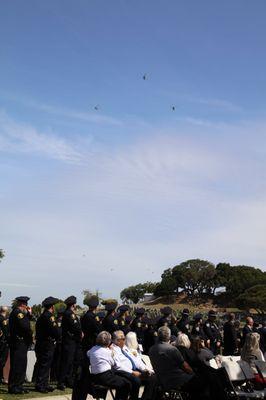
[73,316]
[52,318]
[115,322]
[123,323]
[97,318]
[139,324]
[5,322]
[20,315]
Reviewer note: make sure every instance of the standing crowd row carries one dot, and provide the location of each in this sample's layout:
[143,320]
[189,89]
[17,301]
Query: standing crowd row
[63,341]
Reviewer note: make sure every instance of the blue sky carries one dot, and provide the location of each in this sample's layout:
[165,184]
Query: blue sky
[103,198]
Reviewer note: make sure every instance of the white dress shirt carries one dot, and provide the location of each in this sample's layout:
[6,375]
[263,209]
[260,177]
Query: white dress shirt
[122,363]
[101,359]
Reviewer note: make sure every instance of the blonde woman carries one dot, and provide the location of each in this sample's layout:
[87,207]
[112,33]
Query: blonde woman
[251,350]
[134,350]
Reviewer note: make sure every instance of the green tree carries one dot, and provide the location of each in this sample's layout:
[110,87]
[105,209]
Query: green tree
[241,278]
[254,297]
[133,293]
[194,276]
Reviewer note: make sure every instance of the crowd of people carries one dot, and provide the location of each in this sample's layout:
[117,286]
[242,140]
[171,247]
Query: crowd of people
[115,342]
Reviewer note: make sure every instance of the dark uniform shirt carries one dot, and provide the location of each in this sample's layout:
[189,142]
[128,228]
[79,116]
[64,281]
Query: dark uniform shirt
[91,326]
[19,326]
[4,328]
[110,323]
[71,327]
[46,327]
[123,325]
[139,327]
[197,330]
[212,332]
[183,325]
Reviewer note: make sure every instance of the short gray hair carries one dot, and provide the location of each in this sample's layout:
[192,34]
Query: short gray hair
[117,335]
[164,334]
[104,339]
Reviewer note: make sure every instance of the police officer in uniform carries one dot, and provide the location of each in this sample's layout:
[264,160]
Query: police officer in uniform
[90,324]
[71,345]
[20,340]
[4,337]
[46,335]
[197,326]
[138,325]
[165,319]
[121,317]
[183,324]
[110,322]
[55,368]
[212,332]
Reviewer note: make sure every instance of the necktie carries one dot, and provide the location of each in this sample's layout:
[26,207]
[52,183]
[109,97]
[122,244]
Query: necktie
[134,368]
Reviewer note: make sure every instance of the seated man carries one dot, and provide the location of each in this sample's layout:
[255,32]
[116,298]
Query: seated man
[102,363]
[172,371]
[132,368]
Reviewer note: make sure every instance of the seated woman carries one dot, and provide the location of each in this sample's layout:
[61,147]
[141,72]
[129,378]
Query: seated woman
[183,344]
[251,350]
[134,351]
[202,353]
[102,362]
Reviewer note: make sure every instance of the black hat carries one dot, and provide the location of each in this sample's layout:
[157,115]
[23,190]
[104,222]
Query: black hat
[93,301]
[185,311]
[49,301]
[212,313]
[123,308]
[22,299]
[166,310]
[198,316]
[140,311]
[70,301]
[110,306]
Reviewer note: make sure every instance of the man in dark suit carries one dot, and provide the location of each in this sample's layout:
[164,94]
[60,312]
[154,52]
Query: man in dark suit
[230,336]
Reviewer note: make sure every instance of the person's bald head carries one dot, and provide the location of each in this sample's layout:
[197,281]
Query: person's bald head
[3,310]
[250,321]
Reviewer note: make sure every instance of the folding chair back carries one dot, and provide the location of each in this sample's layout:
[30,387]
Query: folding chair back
[233,370]
[147,361]
[261,367]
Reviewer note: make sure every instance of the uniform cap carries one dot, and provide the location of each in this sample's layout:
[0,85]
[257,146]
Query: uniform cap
[212,313]
[93,301]
[110,306]
[70,301]
[185,311]
[123,308]
[140,311]
[22,299]
[198,316]
[49,301]
[166,310]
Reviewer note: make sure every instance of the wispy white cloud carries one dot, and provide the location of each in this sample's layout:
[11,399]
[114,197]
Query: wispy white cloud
[17,137]
[18,285]
[97,117]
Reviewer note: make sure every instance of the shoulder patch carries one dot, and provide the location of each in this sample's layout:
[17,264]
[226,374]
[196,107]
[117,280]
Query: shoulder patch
[208,325]
[20,315]
[115,322]
[52,318]
[97,318]
[139,324]
[123,323]
[73,316]
[59,324]
[5,322]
